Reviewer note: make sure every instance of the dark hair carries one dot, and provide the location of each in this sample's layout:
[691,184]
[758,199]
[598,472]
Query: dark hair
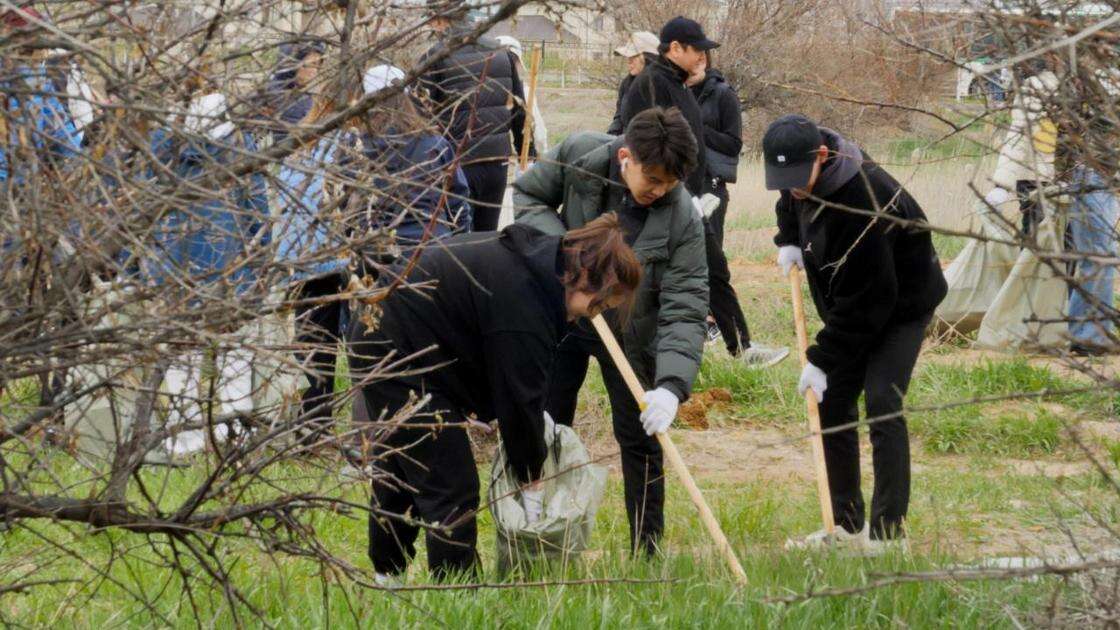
[598,260]
[288,60]
[661,137]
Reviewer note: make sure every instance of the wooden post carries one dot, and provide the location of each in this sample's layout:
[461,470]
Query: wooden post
[530,101]
[811,406]
[671,452]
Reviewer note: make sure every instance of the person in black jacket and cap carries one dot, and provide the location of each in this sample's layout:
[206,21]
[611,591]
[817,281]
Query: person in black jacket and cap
[472,92]
[640,50]
[473,332]
[875,280]
[722,142]
[661,84]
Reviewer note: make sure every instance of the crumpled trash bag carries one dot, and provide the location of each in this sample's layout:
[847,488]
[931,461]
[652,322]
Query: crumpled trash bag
[573,487]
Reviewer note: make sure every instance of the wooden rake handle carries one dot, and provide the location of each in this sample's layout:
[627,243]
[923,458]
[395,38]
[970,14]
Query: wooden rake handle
[670,450]
[527,132]
[815,437]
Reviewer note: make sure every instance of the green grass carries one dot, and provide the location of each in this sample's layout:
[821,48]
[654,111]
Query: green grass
[955,511]
[1017,428]
[695,592]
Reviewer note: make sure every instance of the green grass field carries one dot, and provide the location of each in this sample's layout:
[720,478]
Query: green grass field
[995,478]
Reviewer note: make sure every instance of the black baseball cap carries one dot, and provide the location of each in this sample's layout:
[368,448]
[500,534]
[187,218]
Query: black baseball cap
[789,149]
[686,31]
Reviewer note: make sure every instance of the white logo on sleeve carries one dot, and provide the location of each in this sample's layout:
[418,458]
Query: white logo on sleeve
[782,159]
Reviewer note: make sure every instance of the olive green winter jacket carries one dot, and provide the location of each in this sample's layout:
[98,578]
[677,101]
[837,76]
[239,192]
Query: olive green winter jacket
[664,337]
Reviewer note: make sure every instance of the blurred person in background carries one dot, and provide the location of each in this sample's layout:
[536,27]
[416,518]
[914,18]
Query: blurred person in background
[640,49]
[722,141]
[471,91]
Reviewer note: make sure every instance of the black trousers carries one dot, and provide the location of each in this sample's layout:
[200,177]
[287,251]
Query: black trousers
[318,331]
[882,375]
[487,181]
[1028,205]
[422,473]
[723,302]
[643,475]
[718,188]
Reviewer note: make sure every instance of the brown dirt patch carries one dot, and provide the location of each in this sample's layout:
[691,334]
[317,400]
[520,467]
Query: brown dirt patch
[694,413]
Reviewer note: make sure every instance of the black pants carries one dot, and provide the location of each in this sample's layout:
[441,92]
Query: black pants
[882,375]
[723,302]
[422,474]
[642,467]
[1031,210]
[318,331]
[487,181]
[718,188]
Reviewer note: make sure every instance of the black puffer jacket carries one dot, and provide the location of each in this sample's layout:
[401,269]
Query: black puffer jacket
[485,329]
[661,84]
[723,126]
[863,273]
[616,127]
[471,91]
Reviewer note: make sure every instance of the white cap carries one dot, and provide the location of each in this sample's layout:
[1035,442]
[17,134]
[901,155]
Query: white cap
[638,43]
[512,43]
[378,78]
[207,114]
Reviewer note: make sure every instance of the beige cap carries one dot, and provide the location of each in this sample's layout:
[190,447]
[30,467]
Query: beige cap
[638,43]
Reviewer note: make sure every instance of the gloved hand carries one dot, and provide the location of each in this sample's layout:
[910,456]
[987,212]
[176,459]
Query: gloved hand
[661,408]
[997,196]
[788,256]
[812,377]
[699,207]
[532,500]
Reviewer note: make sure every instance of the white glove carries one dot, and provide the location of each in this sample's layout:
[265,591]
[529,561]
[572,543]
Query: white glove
[997,196]
[709,203]
[532,499]
[698,206]
[788,256]
[812,377]
[661,408]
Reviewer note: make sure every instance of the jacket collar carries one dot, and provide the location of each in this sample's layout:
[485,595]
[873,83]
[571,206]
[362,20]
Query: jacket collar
[664,66]
[711,81]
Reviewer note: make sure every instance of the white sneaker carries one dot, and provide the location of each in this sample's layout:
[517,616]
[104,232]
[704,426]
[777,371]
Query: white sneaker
[386,580]
[821,539]
[760,356]
[876,548]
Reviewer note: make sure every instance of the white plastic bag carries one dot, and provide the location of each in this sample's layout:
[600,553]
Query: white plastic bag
[573,487]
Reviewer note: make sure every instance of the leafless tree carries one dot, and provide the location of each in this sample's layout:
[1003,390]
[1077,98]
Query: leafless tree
[145,295]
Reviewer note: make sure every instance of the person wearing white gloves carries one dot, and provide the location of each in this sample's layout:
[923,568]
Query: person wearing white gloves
[477,331]
[875,285]
[639,177]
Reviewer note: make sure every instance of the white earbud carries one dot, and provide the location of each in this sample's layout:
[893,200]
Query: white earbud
[625,163]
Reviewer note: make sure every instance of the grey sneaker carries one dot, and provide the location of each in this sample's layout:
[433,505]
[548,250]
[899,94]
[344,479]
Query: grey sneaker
[760,356]
[875,548]
[840,539]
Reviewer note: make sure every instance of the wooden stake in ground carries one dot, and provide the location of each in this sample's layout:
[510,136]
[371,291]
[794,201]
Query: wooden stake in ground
[811,406]
[530,101]
[671,452]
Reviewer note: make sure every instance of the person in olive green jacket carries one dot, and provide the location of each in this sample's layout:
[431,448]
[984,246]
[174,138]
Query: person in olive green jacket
[639,177]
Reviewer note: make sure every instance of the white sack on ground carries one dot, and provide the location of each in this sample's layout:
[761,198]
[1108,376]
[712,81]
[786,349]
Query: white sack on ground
[573,487]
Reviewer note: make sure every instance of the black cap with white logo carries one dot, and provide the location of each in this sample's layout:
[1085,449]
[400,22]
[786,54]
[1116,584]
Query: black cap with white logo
[686,31]
[789,149]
